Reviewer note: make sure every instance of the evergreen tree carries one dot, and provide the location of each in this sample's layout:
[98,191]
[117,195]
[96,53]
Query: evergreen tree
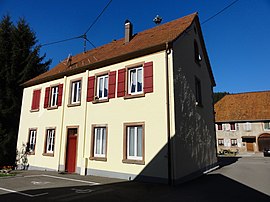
[19,62]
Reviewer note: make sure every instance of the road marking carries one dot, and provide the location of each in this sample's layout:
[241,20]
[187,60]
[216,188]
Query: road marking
[39,183]
[21,193]
[70,179]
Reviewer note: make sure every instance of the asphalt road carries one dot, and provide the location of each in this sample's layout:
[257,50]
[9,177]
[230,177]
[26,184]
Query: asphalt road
[238,179]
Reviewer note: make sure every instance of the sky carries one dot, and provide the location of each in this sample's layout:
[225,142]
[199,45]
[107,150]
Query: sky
[237,40]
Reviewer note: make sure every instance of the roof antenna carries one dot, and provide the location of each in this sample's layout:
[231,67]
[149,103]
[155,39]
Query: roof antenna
[157,20]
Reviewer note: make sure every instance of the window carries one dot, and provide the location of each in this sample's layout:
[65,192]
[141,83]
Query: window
[102,87]
[233,142]
[99,142]
[220,142]
[232,126]
[35,100]
[75,92]
[135,80]
[198,92]
[134,143]
[247,126]
[197,55]
[32,141]
[49,141]
[53,96]
[266,125]
[219,126]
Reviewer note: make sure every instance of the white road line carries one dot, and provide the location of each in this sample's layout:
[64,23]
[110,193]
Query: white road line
[70,179]
[21,193]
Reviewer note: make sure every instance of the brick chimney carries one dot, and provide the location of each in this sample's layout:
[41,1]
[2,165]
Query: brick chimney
[128,31]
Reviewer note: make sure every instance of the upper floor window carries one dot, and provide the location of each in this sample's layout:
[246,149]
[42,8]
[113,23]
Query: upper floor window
[75,97]
[32,141]
[49,141]
[219,126]
[232,126]
[53,96]
[36,100]
[198,92]
[102,87]
[135,80]
[247,126]
[197,55]
[266,125]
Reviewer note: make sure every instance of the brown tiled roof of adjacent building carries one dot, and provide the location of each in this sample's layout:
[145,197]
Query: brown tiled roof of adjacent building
[253,106]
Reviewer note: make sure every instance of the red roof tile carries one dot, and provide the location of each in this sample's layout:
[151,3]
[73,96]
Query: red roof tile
[243,107]
[145,42]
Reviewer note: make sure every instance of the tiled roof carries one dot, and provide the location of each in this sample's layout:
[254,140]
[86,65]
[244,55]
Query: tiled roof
[145,42]
[243,107]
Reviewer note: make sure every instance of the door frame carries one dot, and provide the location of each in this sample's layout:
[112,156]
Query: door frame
[66,147]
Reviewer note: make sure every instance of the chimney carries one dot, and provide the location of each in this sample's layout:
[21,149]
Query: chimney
[128,31]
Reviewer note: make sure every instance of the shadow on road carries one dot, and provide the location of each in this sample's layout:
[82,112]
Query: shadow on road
[212,187]
[225,161]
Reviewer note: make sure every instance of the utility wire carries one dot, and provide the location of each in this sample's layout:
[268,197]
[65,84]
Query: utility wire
[210,18]
[60,41]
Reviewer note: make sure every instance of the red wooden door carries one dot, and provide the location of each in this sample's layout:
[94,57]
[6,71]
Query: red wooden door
[71,153]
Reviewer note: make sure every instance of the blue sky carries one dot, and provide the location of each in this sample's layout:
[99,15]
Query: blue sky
[237,40]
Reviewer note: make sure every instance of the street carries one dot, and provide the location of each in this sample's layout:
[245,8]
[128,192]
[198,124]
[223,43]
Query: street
[237,179]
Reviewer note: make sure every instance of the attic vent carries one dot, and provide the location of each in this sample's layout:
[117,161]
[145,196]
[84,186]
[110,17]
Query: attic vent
[128,31]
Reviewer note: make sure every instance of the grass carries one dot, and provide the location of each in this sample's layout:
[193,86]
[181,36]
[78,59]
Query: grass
[6,174]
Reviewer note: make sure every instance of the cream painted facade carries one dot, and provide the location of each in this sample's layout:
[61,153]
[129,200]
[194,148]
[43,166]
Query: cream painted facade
[179,135]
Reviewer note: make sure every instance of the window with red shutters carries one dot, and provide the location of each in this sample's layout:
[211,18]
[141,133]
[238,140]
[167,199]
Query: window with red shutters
[36,99]
[121,82]
[47,96]
[112,84]
[60,95]
[148,77]
[91,88]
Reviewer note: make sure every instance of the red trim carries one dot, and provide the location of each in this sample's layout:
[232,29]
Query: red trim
[112,84]
[60,95]
[121,82]
[35,99]
[148,77]
[47,95]
[90,88]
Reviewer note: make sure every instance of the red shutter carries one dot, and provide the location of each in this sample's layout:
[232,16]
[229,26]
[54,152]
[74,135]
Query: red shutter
[112,83]
[90,88]
[60,95]
[121,82]
[35,99]
[46,99]
[148,77]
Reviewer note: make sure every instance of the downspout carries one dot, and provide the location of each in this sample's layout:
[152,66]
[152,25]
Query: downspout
[168,51]
[84,133]
[62,121]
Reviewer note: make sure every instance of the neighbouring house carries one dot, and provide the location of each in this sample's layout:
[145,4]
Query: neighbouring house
[243,122]
[137,108]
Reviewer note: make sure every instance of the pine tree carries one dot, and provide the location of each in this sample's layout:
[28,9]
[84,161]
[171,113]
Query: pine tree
[19,62]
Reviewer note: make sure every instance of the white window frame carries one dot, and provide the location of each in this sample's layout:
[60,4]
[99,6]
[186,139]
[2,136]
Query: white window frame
[104,78]
[236,142]
[130,81]
[102,143]
[135,157]
[265,124]
[218,126]
[75,92]
[247,126]
[54,96]
[50,140]
[221,142]
[32,140]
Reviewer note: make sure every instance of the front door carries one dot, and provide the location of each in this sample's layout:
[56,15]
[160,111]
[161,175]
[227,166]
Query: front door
[250,147]
[71,150]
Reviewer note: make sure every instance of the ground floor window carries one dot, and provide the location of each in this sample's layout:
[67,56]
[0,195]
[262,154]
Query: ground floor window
[233,142]
[32,141]
[134,143]
[220,142]
[99,142]
[49,142]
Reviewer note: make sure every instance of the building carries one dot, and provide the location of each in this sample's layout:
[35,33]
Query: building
[243,122]
[136,108]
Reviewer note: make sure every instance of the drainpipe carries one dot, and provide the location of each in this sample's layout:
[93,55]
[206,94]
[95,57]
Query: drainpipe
[62,121]
[170,171]
[85,160]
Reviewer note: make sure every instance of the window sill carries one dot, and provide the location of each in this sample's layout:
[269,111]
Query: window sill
[130,96]
[51,108]
[100,100]
[98,158]
[30,153]
[131,161]
[74,105]
[48,154]
[34,110]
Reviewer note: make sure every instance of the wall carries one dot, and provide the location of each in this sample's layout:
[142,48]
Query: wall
[193,138]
